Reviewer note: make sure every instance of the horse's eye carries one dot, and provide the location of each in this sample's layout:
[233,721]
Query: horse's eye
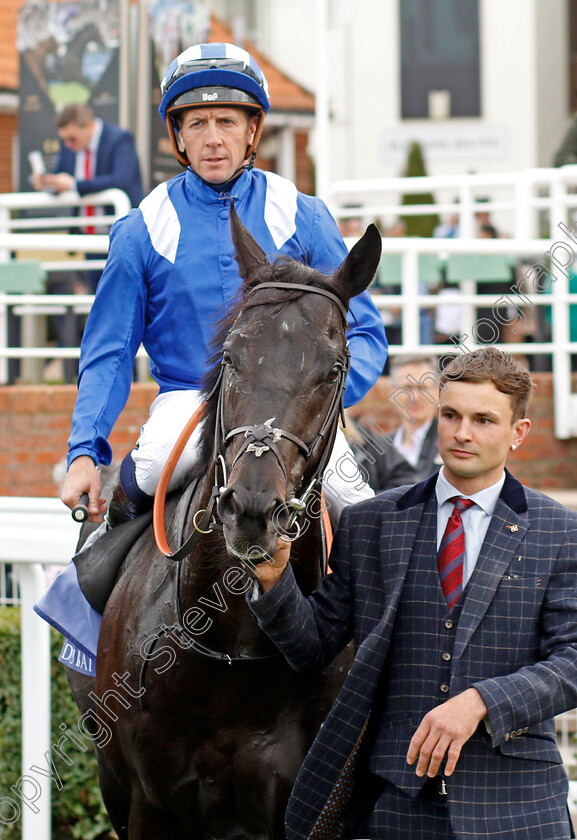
[334,373]
[227,358]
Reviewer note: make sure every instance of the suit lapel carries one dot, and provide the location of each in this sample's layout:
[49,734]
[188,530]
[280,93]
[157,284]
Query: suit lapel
[395,557]
[504,536]
[415,514]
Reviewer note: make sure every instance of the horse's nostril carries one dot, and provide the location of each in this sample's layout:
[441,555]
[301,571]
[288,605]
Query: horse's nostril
[227,508]
[242,504]
[281,516]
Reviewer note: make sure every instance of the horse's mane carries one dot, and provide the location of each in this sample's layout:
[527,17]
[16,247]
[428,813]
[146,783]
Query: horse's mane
[283,270]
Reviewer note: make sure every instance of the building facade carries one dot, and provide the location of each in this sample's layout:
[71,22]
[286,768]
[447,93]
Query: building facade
[483,85]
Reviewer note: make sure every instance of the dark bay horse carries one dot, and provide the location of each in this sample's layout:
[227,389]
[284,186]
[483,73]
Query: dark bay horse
[203,725]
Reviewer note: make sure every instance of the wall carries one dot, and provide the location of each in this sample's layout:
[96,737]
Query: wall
[8,129]
[34,427]
[524,68]
[553,103]
[35,420]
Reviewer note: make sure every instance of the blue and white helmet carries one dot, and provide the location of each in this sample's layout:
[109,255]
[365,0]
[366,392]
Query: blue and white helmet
[212,75]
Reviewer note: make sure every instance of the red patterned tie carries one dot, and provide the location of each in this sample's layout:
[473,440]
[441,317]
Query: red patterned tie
[88,211]
[452,552]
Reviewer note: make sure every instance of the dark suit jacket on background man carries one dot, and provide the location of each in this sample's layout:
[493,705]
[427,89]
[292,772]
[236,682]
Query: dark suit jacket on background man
[117,165]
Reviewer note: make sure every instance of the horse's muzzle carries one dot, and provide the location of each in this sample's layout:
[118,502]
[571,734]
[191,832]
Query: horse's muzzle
[251,519]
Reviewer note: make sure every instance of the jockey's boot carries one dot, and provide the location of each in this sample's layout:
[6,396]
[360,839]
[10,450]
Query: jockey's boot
[122,509]
[128,500]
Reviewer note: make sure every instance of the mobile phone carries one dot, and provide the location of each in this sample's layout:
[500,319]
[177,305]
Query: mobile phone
[36,163]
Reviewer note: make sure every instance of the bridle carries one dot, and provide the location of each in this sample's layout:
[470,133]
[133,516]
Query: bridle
[263,437]
[258,438]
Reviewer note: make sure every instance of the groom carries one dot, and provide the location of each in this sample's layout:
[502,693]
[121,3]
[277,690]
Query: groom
[460,594]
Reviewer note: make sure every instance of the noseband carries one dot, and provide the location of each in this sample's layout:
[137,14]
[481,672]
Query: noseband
[264,437]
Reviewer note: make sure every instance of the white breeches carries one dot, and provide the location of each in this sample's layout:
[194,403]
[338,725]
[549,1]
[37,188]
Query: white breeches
[170,412]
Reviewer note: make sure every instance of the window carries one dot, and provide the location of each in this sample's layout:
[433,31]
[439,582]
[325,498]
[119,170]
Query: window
[440,52]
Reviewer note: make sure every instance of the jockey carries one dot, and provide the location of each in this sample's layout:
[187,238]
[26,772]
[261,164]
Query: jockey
[171,274]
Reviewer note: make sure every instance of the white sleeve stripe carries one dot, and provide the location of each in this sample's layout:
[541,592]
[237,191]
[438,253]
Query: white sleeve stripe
[162,222]
[280,208]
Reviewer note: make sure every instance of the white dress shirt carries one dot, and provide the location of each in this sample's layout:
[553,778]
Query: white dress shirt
[411,453]
[475,519]
[80,161]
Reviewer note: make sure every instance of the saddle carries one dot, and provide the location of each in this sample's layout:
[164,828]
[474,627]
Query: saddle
[98,565]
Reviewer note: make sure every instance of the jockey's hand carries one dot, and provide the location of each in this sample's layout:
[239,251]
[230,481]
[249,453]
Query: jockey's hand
[83,477]
[269,572]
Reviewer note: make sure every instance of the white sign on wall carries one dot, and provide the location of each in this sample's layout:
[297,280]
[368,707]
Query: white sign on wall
[445,143]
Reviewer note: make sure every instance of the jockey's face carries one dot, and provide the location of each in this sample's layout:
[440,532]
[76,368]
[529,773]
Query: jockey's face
[215,140]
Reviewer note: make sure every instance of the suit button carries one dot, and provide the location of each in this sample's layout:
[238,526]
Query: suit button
[507,736]
[446,656]
[449,623]
[444,687]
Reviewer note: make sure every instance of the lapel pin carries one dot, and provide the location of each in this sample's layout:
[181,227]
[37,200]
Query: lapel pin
[512,528]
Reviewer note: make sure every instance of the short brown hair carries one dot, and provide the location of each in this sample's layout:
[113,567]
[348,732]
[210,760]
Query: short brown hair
[491,365]
[77,114]
[400,361]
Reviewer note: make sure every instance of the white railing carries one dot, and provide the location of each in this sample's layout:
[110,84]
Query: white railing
[53,205]
[43,235]
[525,203]
[536,206]
[33,532]
[412,300]
[536,200]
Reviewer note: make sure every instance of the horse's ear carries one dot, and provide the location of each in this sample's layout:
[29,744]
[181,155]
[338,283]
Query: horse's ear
[358,269]
[249,254]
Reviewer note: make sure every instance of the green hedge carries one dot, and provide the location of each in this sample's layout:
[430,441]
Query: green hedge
[77,809]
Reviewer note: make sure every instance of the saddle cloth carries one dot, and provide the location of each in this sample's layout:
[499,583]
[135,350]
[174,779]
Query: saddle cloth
[75,601]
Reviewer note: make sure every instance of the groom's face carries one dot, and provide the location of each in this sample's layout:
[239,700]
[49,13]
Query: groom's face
[476,432]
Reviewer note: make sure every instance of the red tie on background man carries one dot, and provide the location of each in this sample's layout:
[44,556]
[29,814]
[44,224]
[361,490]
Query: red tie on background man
[88,211]
[452,552]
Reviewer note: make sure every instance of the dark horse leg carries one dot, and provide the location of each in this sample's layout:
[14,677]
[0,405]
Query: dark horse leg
[115,798]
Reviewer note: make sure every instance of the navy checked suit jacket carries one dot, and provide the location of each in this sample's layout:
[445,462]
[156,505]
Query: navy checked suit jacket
[516,643]
[117,165]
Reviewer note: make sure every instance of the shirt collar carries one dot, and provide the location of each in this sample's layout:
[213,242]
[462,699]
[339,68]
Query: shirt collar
[486,499]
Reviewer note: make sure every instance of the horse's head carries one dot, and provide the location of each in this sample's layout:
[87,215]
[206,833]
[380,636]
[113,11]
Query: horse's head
[285,360]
